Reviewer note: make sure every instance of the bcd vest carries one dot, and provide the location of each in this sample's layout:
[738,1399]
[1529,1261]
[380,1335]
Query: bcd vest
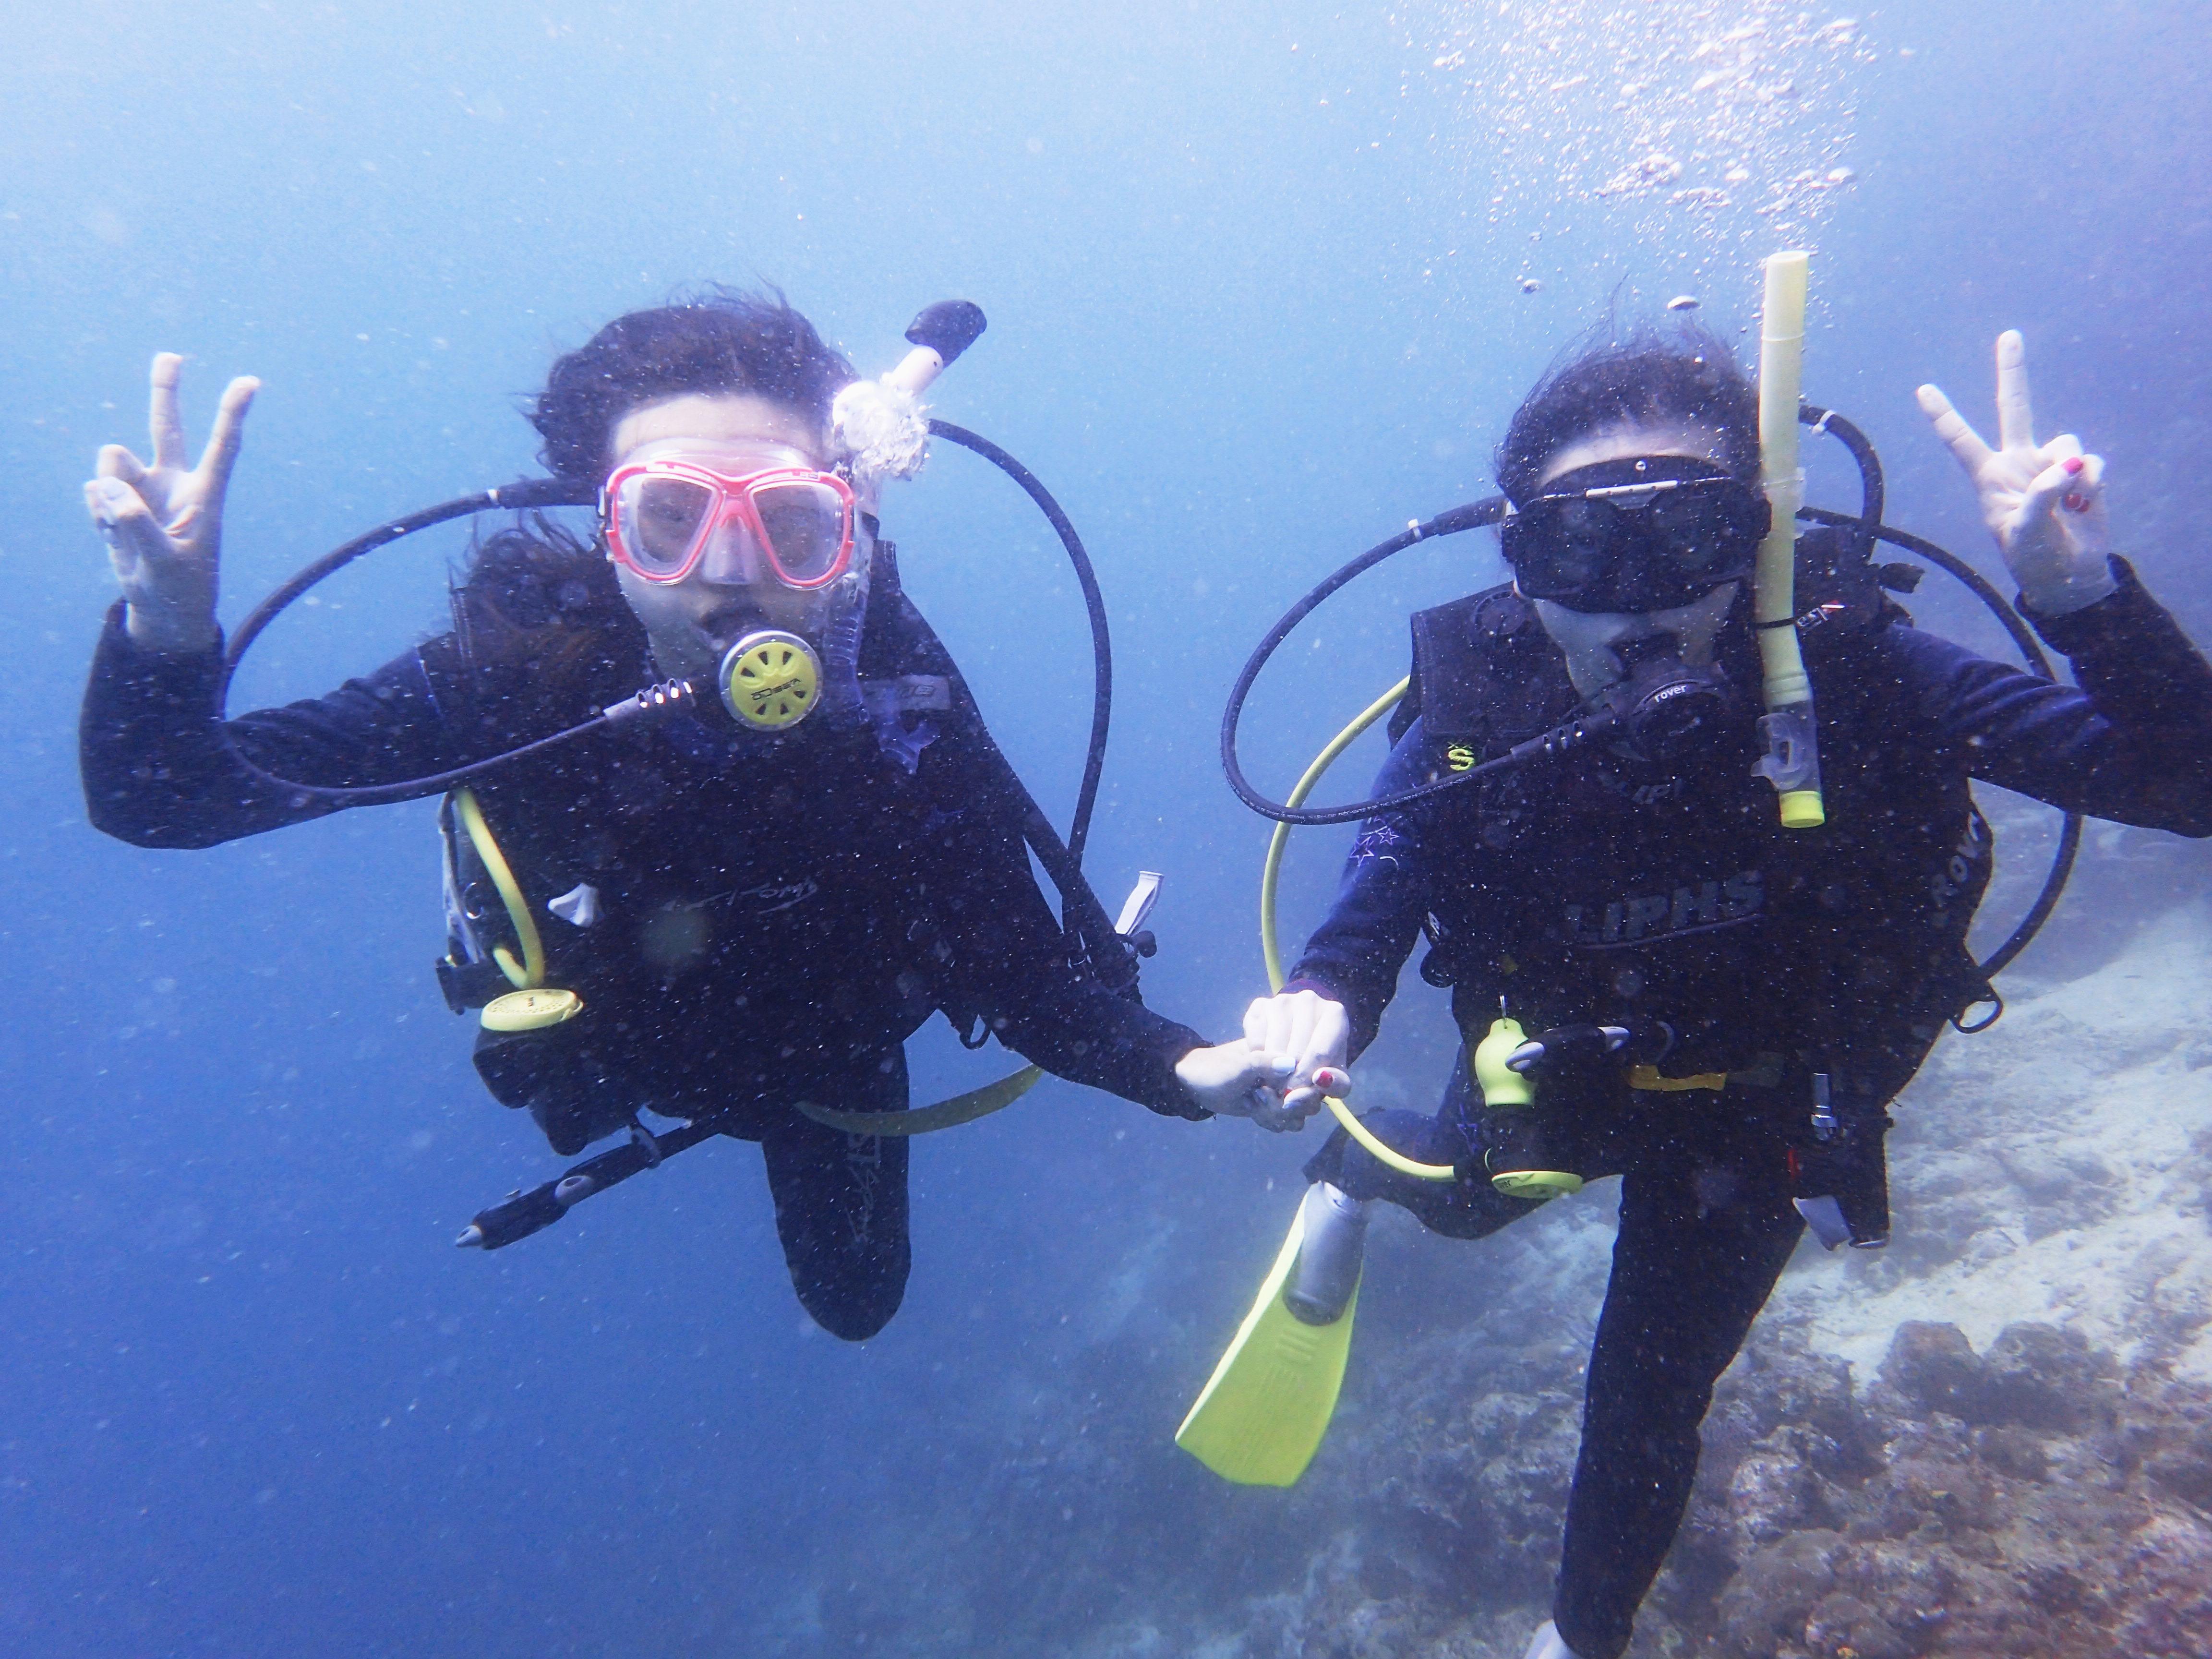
[1588,889]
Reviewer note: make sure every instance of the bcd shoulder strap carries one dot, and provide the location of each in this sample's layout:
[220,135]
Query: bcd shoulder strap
[1483,669]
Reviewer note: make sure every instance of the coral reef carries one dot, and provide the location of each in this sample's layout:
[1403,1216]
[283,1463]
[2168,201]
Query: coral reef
[1992,1439]
[2026,1499]
[2029,1498]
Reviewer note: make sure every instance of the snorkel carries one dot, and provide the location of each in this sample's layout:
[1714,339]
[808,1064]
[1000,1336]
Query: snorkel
[1792,761]
[771,680]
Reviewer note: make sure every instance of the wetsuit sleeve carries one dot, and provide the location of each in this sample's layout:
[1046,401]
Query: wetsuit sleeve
[2131,741]
[160,768]
[1355,955]
[1006,958]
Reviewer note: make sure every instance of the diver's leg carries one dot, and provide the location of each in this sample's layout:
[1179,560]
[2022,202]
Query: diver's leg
[841,1205]
[1705,1233]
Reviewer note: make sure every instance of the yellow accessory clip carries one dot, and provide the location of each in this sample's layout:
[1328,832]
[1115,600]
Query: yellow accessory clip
[530,1011]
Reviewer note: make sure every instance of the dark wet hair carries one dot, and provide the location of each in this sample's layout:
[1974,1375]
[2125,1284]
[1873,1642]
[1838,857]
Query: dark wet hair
[1680,371]
[719,339]
[535,592]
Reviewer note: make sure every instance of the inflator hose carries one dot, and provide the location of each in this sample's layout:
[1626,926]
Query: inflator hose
[1094,602]
[1376,1147]
[541,493]
[519,497]
[1470,517]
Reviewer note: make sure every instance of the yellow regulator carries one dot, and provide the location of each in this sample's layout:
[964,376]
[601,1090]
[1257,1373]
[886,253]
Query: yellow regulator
[770,680]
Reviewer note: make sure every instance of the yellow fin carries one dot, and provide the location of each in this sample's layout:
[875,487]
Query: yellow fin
[1262,1414]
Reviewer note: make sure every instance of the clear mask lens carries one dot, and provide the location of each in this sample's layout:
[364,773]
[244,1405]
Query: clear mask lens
[807,530]
[662,520]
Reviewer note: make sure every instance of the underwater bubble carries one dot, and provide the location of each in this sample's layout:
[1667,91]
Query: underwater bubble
[1663,112]
[1530,285]
[1683,302]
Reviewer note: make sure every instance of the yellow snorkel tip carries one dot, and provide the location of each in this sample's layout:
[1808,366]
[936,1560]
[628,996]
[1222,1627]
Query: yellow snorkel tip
[1802,809]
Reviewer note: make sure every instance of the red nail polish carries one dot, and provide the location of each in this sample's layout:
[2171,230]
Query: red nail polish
[2073,464]
[2074,503]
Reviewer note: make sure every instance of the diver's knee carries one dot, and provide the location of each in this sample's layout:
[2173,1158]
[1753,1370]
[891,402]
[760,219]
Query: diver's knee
[854,1314]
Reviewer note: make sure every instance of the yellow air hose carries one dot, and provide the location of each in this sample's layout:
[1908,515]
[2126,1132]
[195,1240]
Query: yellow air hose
[1268,874]
[530,973]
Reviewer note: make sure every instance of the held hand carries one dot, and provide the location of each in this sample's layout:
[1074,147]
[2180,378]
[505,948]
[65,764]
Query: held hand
[163,524]
[1301,1032]
[2044,503]
[1236,1079]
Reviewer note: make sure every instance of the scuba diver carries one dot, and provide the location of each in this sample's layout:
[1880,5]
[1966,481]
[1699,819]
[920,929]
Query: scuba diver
[1655,978]
[731,910]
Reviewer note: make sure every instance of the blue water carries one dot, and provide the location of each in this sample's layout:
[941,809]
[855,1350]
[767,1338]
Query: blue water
[1253,306]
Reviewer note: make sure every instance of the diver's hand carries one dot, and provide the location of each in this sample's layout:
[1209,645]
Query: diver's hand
[1237,1080]
[2044,503]
[163,524]
[1302,1032]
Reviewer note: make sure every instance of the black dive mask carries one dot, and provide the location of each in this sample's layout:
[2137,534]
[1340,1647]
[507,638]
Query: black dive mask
[1635,535]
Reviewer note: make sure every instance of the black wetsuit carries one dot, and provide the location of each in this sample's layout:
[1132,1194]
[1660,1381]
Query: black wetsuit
[1669,901]
[774,917]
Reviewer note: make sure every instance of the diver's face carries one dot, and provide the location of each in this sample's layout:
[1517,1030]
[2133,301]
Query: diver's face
[1591,641]
[691,622]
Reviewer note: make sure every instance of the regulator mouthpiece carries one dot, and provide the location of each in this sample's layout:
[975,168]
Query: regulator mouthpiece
[1666,709]
[769,680]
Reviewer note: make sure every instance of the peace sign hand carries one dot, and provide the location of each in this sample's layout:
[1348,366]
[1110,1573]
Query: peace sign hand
[163,524]
[2044,503]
